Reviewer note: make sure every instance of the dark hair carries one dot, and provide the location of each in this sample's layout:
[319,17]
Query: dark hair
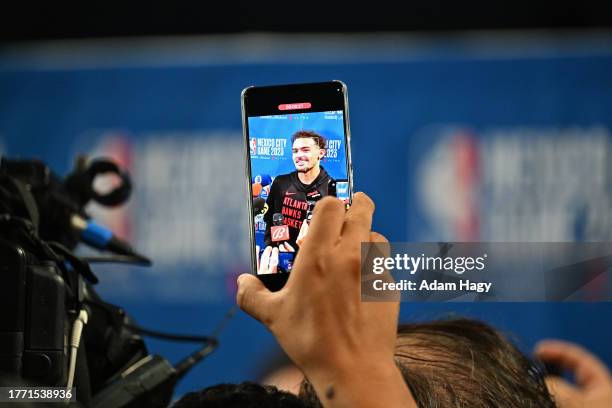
[463,363]
[243,395]
[309,134]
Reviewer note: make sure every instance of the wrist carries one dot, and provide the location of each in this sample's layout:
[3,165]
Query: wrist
[367,382]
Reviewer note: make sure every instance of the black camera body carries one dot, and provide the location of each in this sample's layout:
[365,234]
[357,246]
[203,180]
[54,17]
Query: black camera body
[44,287]
[33,317]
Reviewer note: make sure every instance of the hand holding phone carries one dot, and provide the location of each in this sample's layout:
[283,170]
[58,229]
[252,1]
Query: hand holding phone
[343,345]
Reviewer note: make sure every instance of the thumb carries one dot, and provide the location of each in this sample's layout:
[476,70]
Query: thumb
[254,298]
[564,393]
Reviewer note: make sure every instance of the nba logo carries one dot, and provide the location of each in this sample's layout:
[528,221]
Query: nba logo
[253,145]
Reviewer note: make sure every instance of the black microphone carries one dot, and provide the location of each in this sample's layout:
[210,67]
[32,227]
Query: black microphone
[277,219]
[279,231]
[280,234]
[259,206]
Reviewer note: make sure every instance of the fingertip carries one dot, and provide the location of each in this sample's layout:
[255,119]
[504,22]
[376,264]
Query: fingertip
[549,342]
[327,203]
[244,283]
[542,344]
[240,293]
[555,346]
[560,389]
[363,199]
[380,244]
[377,237]
[545,349]
[248,285]
[241,278]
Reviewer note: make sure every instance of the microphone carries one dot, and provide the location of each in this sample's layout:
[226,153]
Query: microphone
[280,234]
[259,206]
[100,237]
[279,231]
[277,219]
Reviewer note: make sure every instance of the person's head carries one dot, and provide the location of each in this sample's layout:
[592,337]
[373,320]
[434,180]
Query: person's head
[243,395]
[463,363]
[308,149]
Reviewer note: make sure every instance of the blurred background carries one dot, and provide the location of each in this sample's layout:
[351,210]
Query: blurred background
[476,121]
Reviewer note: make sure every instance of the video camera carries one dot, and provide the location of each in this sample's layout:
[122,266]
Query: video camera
[55,330]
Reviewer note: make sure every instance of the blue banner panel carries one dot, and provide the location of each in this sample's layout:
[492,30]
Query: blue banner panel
[451,143]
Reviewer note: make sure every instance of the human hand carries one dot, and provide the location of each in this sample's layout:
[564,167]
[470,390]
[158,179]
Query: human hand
[302,234]
[593,387]
[286,247]
[344,346]
[268,262]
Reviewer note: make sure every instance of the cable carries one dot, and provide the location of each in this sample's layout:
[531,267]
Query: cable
[190,361]
[126,259]
[155,372]
[210,342]
[100,237]
[189,338]
[183,366]
[228,316]
[75,339]
[169,336]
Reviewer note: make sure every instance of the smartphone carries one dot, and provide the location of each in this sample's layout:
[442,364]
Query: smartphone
[297,141]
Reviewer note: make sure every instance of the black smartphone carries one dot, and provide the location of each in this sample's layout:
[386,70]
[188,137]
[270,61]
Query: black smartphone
[297,142]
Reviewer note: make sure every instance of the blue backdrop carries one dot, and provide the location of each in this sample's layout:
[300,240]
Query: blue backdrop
[450,144]
[330,126]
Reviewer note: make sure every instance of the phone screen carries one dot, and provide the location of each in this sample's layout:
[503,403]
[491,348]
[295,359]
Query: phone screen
[298,153]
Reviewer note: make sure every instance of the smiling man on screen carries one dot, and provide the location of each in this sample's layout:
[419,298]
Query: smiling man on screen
[293,194]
